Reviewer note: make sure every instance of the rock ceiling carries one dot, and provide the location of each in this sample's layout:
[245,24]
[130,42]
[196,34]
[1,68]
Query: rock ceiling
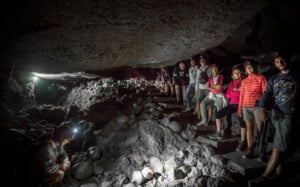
[56,36]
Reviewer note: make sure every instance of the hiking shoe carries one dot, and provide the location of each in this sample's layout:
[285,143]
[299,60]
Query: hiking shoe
[216,136]
[242,146]
[249,154]
[203,122]
[187,110]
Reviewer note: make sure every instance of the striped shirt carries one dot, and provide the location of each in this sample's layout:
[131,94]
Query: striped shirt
[251,91]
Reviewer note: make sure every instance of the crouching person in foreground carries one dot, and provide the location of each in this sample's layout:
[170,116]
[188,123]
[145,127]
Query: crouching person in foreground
[50,161]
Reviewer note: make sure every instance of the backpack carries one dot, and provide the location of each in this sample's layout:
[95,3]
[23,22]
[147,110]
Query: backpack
[203,77]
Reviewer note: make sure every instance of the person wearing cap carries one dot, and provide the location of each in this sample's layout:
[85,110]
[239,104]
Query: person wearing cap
[251,91]
[181,80]
[203,73]
[191,87]
[281,91]
[215,97]
[50,161]
[233,94]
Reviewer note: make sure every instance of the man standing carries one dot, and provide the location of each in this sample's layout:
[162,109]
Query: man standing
[251,90]
[31,91]
[191,87]
[281,89]
[203,73]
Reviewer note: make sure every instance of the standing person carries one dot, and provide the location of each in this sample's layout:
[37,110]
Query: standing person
[167,81]
[30,86]
[251,91]
[203,73]
[191,87]
[281,89]
[215,97]
[180,77]
[233,94]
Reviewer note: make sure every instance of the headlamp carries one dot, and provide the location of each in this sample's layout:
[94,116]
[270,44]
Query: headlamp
[75,130]
[35,79]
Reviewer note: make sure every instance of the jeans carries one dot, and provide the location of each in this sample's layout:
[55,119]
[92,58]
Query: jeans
[189,93]
[213,101]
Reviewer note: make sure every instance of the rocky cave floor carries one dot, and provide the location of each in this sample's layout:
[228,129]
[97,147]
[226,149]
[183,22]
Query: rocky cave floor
[133,136]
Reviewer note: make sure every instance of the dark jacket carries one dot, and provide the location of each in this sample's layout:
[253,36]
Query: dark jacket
[49,156]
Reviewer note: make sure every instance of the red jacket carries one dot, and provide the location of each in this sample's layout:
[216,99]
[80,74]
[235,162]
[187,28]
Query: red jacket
[219,82]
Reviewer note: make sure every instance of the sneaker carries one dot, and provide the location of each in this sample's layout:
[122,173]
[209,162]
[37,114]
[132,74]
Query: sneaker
[216,136]
[187,110]
[203,122]
[249,154]
[242,146]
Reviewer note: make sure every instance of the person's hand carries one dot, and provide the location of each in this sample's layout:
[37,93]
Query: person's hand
[240,115]
[262,115]
[65,166]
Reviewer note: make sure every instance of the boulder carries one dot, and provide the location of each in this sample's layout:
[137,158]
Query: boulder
[137,177]
[98,169]
[121,119]
[82,170]
[175,126]
[89,185]
[147,173]
[171,174]
[190,160]
[156,165]
[179,174]
[138,159]
[94,153]
[106,184]
[218,160]
[165,121]
[185,169]
[189,134]
[171,163]
[121,179]
[129,185]
[102,112]
[208,151]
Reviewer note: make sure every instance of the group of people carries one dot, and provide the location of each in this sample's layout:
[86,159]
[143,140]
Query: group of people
[248,95]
